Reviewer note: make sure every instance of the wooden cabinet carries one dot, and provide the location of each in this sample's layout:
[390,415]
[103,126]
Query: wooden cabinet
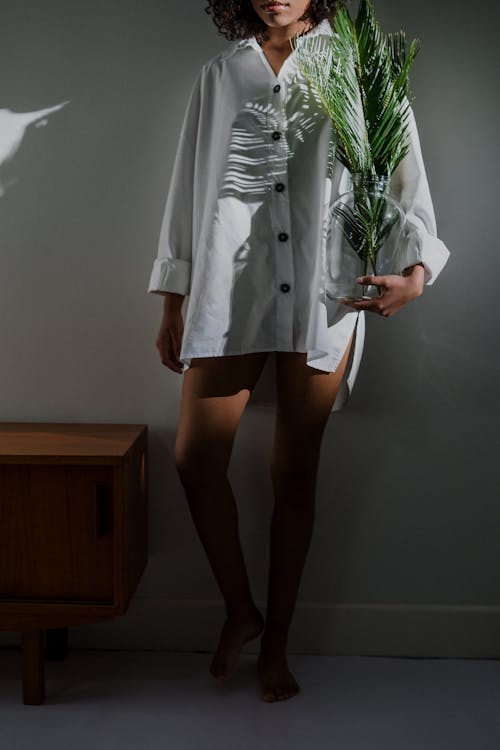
[73,529]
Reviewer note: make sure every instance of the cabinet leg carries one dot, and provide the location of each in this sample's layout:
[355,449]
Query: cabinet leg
[56,641]
[33,656]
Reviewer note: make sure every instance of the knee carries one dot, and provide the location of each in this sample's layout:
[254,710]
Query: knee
[197,466]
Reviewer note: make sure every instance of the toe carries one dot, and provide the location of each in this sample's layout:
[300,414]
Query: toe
[220,670]
[268,694]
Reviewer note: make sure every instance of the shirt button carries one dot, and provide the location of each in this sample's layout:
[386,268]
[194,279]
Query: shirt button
[285,287]
[276,135]
[279,187]
[276,88]
[282,236]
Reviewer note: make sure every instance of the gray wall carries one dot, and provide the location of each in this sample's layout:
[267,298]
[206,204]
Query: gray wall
[404,558]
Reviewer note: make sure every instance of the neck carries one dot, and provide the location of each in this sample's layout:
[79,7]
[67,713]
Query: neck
[279,37]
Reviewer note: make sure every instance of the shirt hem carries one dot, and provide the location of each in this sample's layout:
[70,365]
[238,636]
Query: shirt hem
[312,359]
[223,352]
[185,358]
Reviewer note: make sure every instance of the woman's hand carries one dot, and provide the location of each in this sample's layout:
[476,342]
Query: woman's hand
[397,291]
[169,337]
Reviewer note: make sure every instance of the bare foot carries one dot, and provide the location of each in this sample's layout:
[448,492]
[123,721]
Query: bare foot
[235,633]
[276,681]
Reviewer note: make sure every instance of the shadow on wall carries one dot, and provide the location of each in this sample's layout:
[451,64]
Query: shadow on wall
[13,126]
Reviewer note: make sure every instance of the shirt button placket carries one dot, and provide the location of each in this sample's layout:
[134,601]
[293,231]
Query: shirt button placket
[280,218]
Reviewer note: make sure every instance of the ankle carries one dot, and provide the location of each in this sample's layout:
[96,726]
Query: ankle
[273,642]
[241,612]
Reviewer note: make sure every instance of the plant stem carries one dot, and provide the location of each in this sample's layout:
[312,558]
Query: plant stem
[365,286]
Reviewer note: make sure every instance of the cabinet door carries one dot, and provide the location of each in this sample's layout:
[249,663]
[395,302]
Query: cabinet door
[56,533]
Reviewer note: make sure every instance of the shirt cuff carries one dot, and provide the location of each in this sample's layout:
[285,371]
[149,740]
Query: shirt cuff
[423,248]
[170,275]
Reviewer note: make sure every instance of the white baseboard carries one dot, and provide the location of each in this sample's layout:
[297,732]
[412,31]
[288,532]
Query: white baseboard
[412,630]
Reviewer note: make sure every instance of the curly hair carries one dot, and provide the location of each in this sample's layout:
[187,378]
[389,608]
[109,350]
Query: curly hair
[236,19]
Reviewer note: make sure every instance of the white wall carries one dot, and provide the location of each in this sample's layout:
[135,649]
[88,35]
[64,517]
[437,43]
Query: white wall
[404,558]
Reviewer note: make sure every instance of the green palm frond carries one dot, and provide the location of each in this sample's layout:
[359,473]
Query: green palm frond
[331,70]
[397,49]
[361,76]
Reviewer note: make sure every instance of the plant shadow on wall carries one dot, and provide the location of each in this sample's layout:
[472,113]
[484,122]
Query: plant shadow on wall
[13,126]
[242,230]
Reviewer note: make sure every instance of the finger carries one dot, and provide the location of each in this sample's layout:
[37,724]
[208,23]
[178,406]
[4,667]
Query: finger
[362,304]
[372,306]
[167,355]
[171,364]
[375,280]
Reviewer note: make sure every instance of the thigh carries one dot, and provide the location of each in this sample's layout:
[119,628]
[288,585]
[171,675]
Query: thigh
[305,397]
[215,391]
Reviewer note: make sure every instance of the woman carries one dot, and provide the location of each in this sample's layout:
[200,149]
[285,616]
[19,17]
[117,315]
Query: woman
[242,242]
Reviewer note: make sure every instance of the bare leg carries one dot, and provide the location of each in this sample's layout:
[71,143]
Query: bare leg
[214,395]
[305,398]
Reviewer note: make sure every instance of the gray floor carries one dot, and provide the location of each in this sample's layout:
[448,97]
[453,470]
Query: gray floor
[146,700]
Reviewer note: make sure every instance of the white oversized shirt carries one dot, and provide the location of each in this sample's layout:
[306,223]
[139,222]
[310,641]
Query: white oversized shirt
[244,232]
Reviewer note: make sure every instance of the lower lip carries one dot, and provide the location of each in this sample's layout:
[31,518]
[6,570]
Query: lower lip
[274,8]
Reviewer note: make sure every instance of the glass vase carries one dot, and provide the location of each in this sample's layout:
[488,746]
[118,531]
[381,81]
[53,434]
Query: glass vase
[364,238]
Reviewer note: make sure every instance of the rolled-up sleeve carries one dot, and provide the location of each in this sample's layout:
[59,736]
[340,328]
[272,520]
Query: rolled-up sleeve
[409,185]
[172,267]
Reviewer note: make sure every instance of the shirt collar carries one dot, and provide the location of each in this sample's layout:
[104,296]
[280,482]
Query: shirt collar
[323,28]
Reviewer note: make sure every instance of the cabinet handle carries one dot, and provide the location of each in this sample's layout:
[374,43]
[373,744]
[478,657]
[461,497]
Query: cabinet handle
[103,509]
